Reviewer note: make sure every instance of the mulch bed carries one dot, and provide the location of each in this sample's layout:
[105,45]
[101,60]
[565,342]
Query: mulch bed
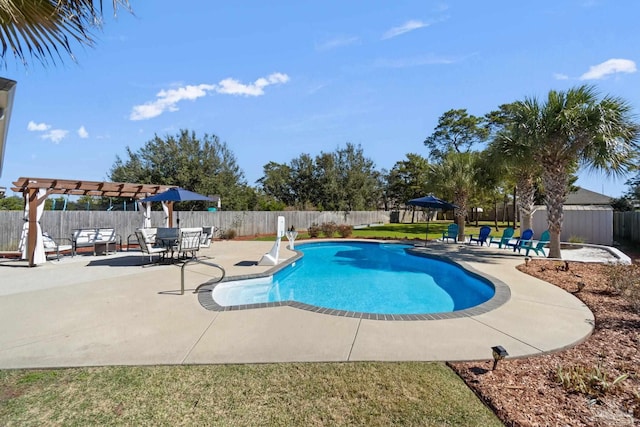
[528,392]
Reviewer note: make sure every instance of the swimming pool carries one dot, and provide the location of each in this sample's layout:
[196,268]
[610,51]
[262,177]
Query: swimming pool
[362,277]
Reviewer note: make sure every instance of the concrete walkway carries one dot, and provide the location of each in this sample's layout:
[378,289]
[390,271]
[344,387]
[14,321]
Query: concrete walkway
[110,310]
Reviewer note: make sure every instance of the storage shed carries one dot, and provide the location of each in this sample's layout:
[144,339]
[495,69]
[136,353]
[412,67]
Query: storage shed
[587,215]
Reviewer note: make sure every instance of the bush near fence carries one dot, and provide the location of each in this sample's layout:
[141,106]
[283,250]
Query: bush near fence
[246,223]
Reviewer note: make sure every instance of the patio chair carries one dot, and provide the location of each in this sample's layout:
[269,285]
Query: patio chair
[451,233]
[482,237]
[207,236]
[525,237]
[507,235]
[188,242]
[545,238]
[148,249]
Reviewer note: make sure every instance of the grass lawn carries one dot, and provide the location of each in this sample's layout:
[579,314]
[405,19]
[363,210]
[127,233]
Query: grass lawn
[410,231]
[371,394]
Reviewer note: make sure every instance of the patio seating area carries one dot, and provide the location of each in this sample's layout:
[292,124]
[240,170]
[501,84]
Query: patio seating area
[118,310]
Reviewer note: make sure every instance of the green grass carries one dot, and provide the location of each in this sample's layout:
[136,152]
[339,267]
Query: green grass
[408,231]
[371,394]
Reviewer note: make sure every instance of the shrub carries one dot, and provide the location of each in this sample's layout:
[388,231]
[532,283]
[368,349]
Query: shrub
[229,234]
[576,239]
[313,230]
[624,280]
[345,230]
[589,381]
[329,228]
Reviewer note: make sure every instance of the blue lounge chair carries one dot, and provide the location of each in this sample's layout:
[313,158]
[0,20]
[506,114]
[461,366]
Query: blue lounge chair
[482,237]
[507,234]
[545,238]
[525,237]
[451,233]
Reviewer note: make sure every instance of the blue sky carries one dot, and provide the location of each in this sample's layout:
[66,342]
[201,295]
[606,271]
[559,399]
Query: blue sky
[277,79]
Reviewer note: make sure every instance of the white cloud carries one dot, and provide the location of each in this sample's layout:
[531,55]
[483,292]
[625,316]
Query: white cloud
[167,100]
[55,135]
[404,28]
[82,132]
[417,61]
[234,87]
[337,42]
[40,127]
[560,76]
[611,66]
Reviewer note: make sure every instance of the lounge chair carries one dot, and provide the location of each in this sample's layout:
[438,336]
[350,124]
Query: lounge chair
[148,249]
[507,235]
[451,233]
[545,238]
[525,237]
[51,245]
[482,237]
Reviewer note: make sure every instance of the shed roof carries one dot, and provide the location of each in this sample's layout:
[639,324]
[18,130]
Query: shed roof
[587,197]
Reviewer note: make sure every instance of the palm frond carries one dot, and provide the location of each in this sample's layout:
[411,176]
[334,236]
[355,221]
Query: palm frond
[41,30]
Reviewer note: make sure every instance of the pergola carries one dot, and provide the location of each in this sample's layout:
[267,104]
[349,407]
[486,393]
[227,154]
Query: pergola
[36,190]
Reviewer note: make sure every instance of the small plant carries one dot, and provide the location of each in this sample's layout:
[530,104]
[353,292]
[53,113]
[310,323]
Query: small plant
[589,381]
[313,230]
[229,234]
[329,229]
[576,239]
[625,280]
[345,230]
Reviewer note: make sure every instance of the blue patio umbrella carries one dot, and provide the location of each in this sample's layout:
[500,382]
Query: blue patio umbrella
[431,202]
[176,194]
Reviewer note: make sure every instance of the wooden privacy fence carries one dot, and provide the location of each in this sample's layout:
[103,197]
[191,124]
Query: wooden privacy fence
[626,226]
[249,223]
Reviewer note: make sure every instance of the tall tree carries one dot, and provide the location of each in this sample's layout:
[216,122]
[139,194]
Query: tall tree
[277,182]
[409,179]
[303,181]
[206,166]
[512,151]
[346,180]
[40,29]
[457,130]
[575,128]
[456,176]
[633,192]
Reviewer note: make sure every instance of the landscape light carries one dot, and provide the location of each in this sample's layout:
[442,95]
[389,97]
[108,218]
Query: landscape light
[499,353]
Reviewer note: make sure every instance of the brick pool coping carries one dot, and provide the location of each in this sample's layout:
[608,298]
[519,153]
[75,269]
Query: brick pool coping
[501,296]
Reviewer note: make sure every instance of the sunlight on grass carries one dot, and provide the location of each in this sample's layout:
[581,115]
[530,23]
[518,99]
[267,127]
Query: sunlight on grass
[405,231]
[274,394]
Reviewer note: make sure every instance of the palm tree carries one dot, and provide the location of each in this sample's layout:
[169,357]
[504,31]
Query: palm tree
[573,129]
[39,28]
[455,176]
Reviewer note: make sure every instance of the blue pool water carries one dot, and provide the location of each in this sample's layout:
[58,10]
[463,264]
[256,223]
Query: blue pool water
[363,277]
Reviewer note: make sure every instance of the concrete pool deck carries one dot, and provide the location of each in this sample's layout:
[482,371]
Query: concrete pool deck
[110,310]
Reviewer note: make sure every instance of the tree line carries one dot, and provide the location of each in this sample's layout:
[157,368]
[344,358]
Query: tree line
[531,148]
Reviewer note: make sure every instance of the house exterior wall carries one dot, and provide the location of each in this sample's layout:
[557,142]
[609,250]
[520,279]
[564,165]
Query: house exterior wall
[592,224]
